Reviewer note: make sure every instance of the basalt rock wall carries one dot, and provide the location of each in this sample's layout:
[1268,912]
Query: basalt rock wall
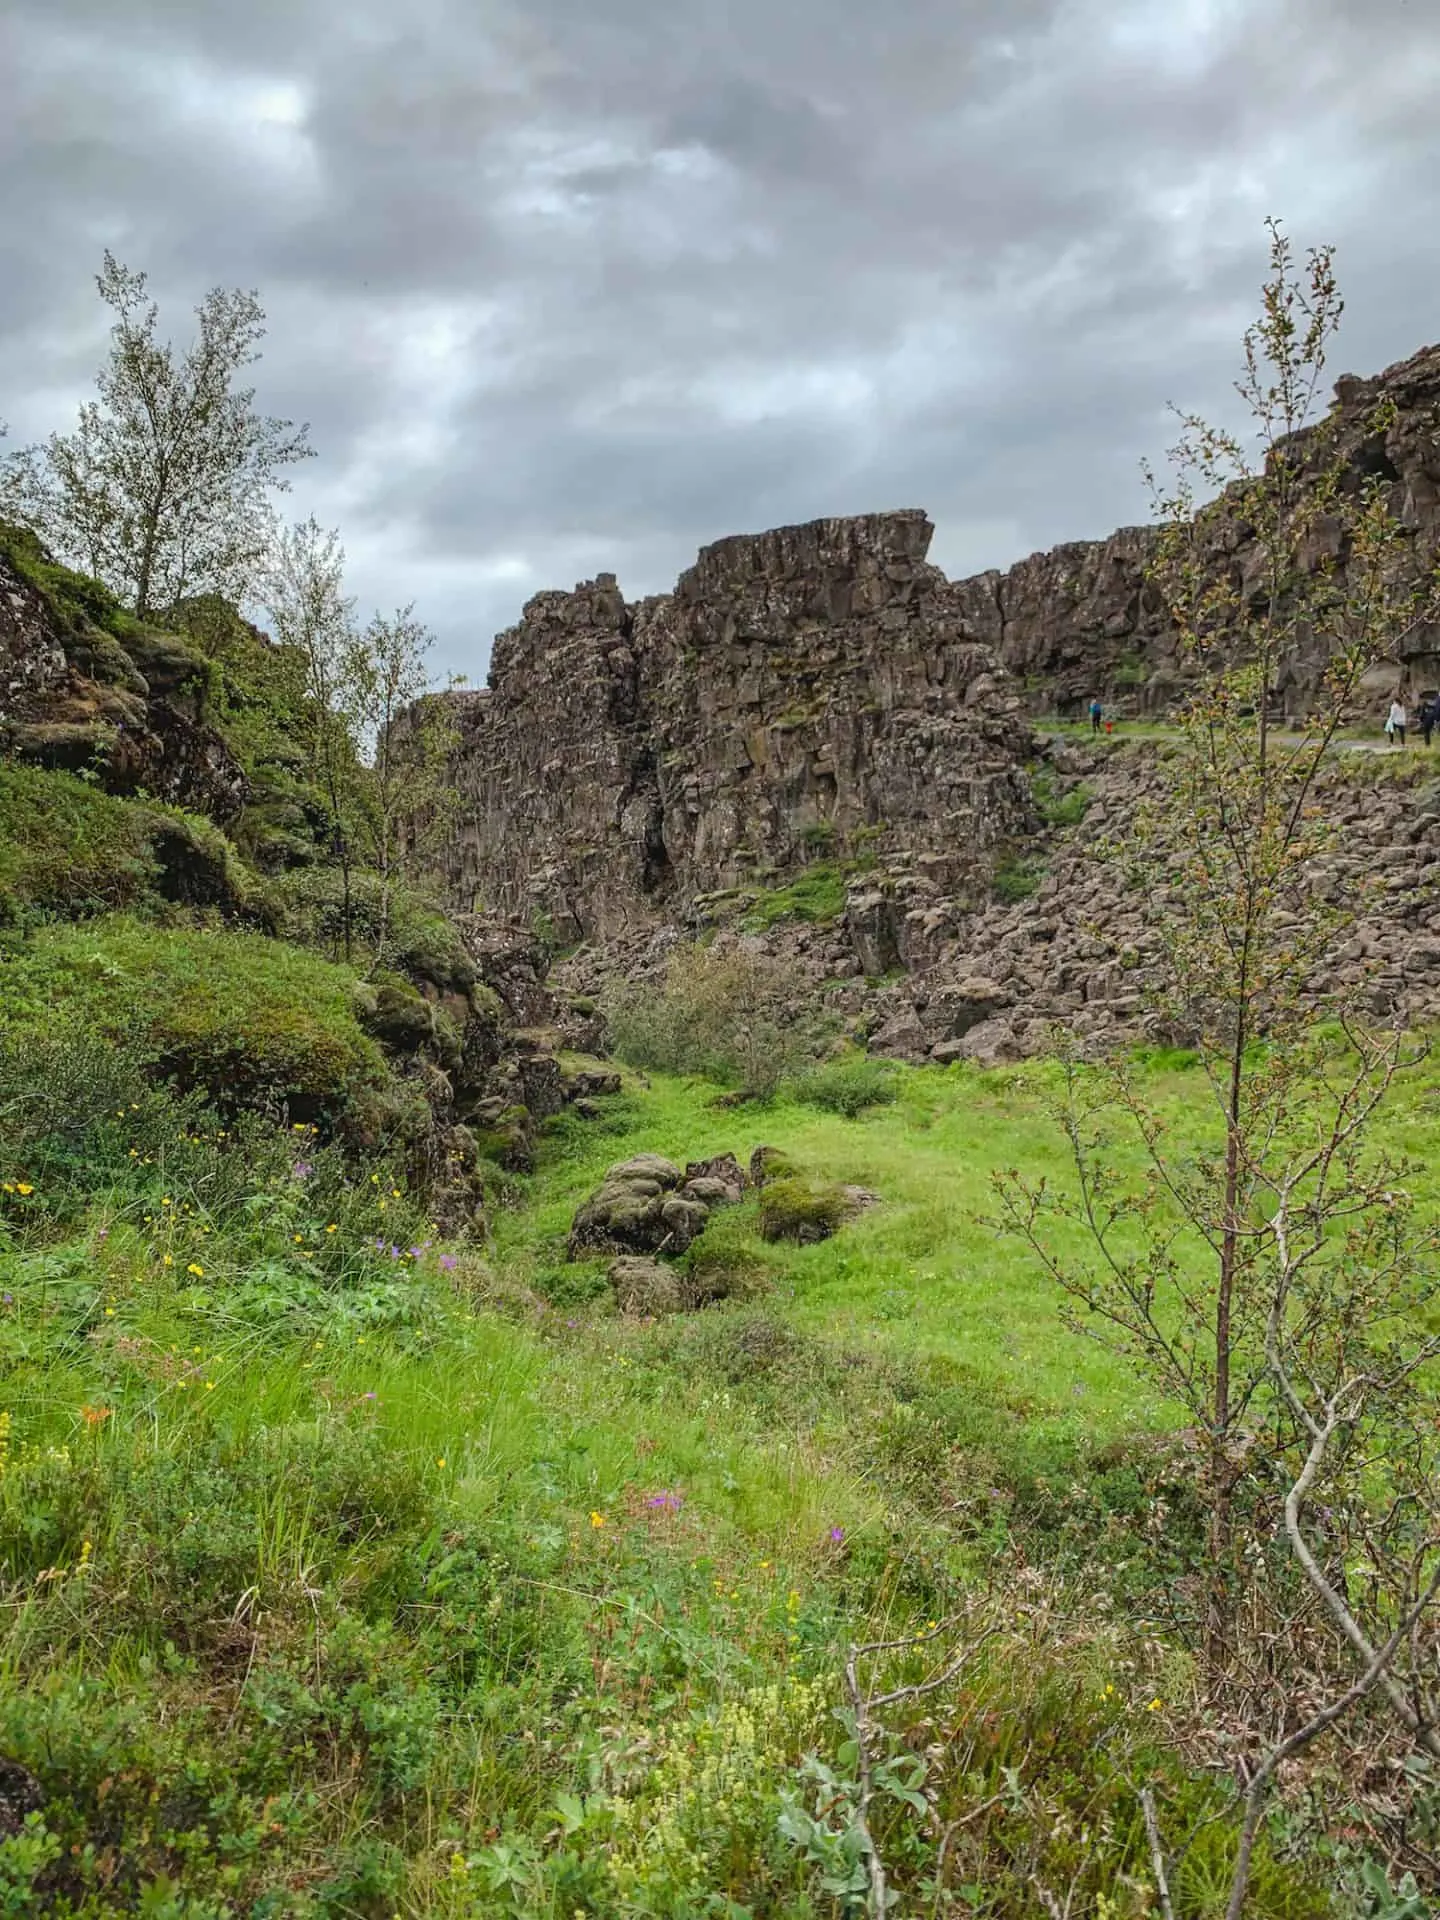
[814,691]
[822,691]
[1082,620]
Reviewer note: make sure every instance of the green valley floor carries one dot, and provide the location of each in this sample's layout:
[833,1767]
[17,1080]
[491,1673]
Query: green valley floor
[351,1571]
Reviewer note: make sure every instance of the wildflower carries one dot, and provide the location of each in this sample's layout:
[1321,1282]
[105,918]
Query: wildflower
[302,1169]
[109,1313]
[168,1261]
[597,1519]
[449,1261]
[331,1228]
[667,1499]
[394,1193]
[1155,1706]
[441,1461]
[195,1268]
[299,1238]
[165,1203]
[95,1416]
[209,1386]
[23,1186]
[837,1536]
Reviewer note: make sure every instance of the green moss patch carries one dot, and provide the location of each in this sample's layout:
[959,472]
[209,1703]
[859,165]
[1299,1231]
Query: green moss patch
[68,848]
[249,1020]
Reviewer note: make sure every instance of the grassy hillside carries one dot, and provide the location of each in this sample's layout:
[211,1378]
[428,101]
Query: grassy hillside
[351,1573]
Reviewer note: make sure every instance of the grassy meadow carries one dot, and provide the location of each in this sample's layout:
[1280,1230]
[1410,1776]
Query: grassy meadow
[349,1571]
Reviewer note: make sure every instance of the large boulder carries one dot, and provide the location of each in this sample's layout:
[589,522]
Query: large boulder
[646,1287]
[637,1209]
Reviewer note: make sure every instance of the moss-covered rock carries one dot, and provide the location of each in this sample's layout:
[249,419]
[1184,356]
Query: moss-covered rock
[636,1209]
[250,1020]
[769,1163]
[68,847]
[802,1210]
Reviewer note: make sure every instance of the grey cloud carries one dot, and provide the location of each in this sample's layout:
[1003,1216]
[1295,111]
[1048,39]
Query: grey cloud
[563,287]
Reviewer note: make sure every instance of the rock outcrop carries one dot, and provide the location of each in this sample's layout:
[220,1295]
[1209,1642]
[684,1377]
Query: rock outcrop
[818,707]
[804,693]
[73,697]
[1081,619]
[821,690]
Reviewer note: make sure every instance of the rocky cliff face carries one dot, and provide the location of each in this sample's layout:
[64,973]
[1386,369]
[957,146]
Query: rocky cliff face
[803,694]
[1081,619]
[73,697]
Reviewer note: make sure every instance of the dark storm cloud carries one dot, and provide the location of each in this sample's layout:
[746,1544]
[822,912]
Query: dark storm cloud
[564,287]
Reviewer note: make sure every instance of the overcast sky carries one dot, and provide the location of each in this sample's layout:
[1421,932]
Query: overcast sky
[566,286]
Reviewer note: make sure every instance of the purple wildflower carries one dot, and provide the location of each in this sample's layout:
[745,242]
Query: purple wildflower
[837,1536]
[572,1323]
[449,1261]
[669,1500]
[302,1169]
[7,1299]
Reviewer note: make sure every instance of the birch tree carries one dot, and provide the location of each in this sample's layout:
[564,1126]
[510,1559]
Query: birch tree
[163,489]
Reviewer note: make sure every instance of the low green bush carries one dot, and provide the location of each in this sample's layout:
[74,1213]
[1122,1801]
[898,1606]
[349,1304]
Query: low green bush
[817,897]
[847,1086]
[1016,879]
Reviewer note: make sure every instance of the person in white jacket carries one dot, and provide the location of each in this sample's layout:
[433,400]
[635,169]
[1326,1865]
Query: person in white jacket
[1396,724]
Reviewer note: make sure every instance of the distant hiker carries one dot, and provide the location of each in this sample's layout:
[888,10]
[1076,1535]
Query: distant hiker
[1396,724]
[1096,715]
[1429,716]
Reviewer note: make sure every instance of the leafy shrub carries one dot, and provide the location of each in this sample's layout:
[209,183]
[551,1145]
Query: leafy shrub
[847,1086]
[725,1015]
[418,940]
[1059,808]
[1016,879]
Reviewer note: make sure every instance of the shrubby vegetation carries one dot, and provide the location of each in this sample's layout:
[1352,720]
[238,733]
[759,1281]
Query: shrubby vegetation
[724,1013]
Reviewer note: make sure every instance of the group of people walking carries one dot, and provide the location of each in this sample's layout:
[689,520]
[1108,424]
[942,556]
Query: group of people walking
[1399,719]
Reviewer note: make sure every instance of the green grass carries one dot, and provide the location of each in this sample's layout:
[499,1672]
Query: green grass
[923,1274]
[68,848]
[242,1016]
[341,1574]
[816,896]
